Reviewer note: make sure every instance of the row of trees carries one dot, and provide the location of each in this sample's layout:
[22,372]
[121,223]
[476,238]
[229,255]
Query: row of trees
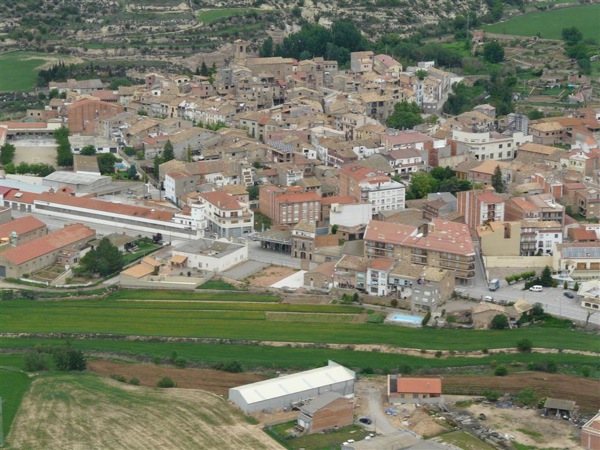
[64,154]
[578,49]
[36,169]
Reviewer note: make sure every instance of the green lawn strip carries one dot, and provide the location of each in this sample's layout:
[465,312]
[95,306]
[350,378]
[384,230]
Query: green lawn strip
[310,317]
[254,356]
[316,441]
[13,385]
[240,296]
[213,15]
[12,360]
[550,23]
[218,285]
[19,71]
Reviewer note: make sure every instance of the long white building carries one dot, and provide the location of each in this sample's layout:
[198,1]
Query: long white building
[281,392]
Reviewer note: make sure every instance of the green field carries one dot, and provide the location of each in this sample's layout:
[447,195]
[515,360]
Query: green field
[13,385]
[550,23]
[19,70]
[242,321]
[214,15]
[157,294]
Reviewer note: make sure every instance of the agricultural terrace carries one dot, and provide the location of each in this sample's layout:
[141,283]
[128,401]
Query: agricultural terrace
[63,410]
[550,23]
[214,15]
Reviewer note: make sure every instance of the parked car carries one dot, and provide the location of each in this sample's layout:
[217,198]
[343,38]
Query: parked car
[488,298]
[365,420]
[569,294]
[536,288]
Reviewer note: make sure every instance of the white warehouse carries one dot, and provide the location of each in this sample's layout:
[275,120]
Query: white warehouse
[281,392]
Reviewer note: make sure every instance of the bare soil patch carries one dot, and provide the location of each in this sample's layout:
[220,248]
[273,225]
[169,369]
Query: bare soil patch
[584,391]
[527,426]
[215,381]
[269,276]
[42,154]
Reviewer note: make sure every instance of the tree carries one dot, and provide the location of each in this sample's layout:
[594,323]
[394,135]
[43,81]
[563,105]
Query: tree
[168,154]
[498,181]
[571,36]
[406,115]
[132,172]
[546,277]
[7,153]
[204,70]
[253,192]
[188,153]
[501,371]
[266,50]
[166,382]
[106,163]
[104,260]
[421,184]
[493,52]
[88,150]
[499,322]
[35,361]
[156,165]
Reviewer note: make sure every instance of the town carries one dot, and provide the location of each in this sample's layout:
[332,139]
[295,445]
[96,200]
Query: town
[346,196]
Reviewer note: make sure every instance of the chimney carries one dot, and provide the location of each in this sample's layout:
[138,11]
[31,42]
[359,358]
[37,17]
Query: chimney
[14,238]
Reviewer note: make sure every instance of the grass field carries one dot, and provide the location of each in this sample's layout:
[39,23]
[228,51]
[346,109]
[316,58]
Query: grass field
[87,411]
[241,321]
[551,23]
[19,70]
[255,356]
[464,440]
[316,441]
[214,15]
[13,385]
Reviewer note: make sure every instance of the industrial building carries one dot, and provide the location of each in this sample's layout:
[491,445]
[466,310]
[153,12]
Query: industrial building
[282,392]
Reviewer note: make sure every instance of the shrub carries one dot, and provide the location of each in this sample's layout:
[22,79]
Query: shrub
[499,322]
[438,354]
[501,371]
[367,371]
[134,381]
[157,360]
[233,367]
[585,371]
[524,345]
[551,367]
[180,362]
[525,397]
[394,303]
[405,369]
[119,378]
[166,382]
[67,359]
[35,361]
[490,395]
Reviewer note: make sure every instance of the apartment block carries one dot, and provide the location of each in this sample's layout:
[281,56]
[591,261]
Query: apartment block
[479,207]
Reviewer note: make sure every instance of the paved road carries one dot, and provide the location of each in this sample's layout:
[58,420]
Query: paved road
[380,424]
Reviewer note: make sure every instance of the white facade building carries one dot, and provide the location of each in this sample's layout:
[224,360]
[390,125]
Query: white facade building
[212,256]
[383,196]
[490,145]
[350,215]
[226,217]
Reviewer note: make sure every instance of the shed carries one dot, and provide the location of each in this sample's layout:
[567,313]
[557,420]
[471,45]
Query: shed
[282,392]
[558,407]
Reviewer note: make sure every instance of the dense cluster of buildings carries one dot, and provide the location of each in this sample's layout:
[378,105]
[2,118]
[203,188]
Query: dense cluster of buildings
[303,146]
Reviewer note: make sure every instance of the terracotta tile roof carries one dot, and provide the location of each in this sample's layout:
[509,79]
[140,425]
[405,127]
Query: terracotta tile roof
[489,166]
[221,200]
[36,125]
[381,264]
[489,197]
[581,234]
[138,271]
[341,199]
[48,244]
[21,226]
[524,204]
[419,385]
[299,197]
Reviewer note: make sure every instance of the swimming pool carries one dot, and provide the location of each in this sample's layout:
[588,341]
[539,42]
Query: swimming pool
[403,319]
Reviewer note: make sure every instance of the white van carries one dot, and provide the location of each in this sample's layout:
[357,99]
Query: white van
[536,288]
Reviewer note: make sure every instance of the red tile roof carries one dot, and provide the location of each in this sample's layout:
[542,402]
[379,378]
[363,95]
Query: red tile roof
[489,197]
[221,200]
[381,264]
[21,226]
[419,385]
[342,199]
[48,244]
[299,197]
